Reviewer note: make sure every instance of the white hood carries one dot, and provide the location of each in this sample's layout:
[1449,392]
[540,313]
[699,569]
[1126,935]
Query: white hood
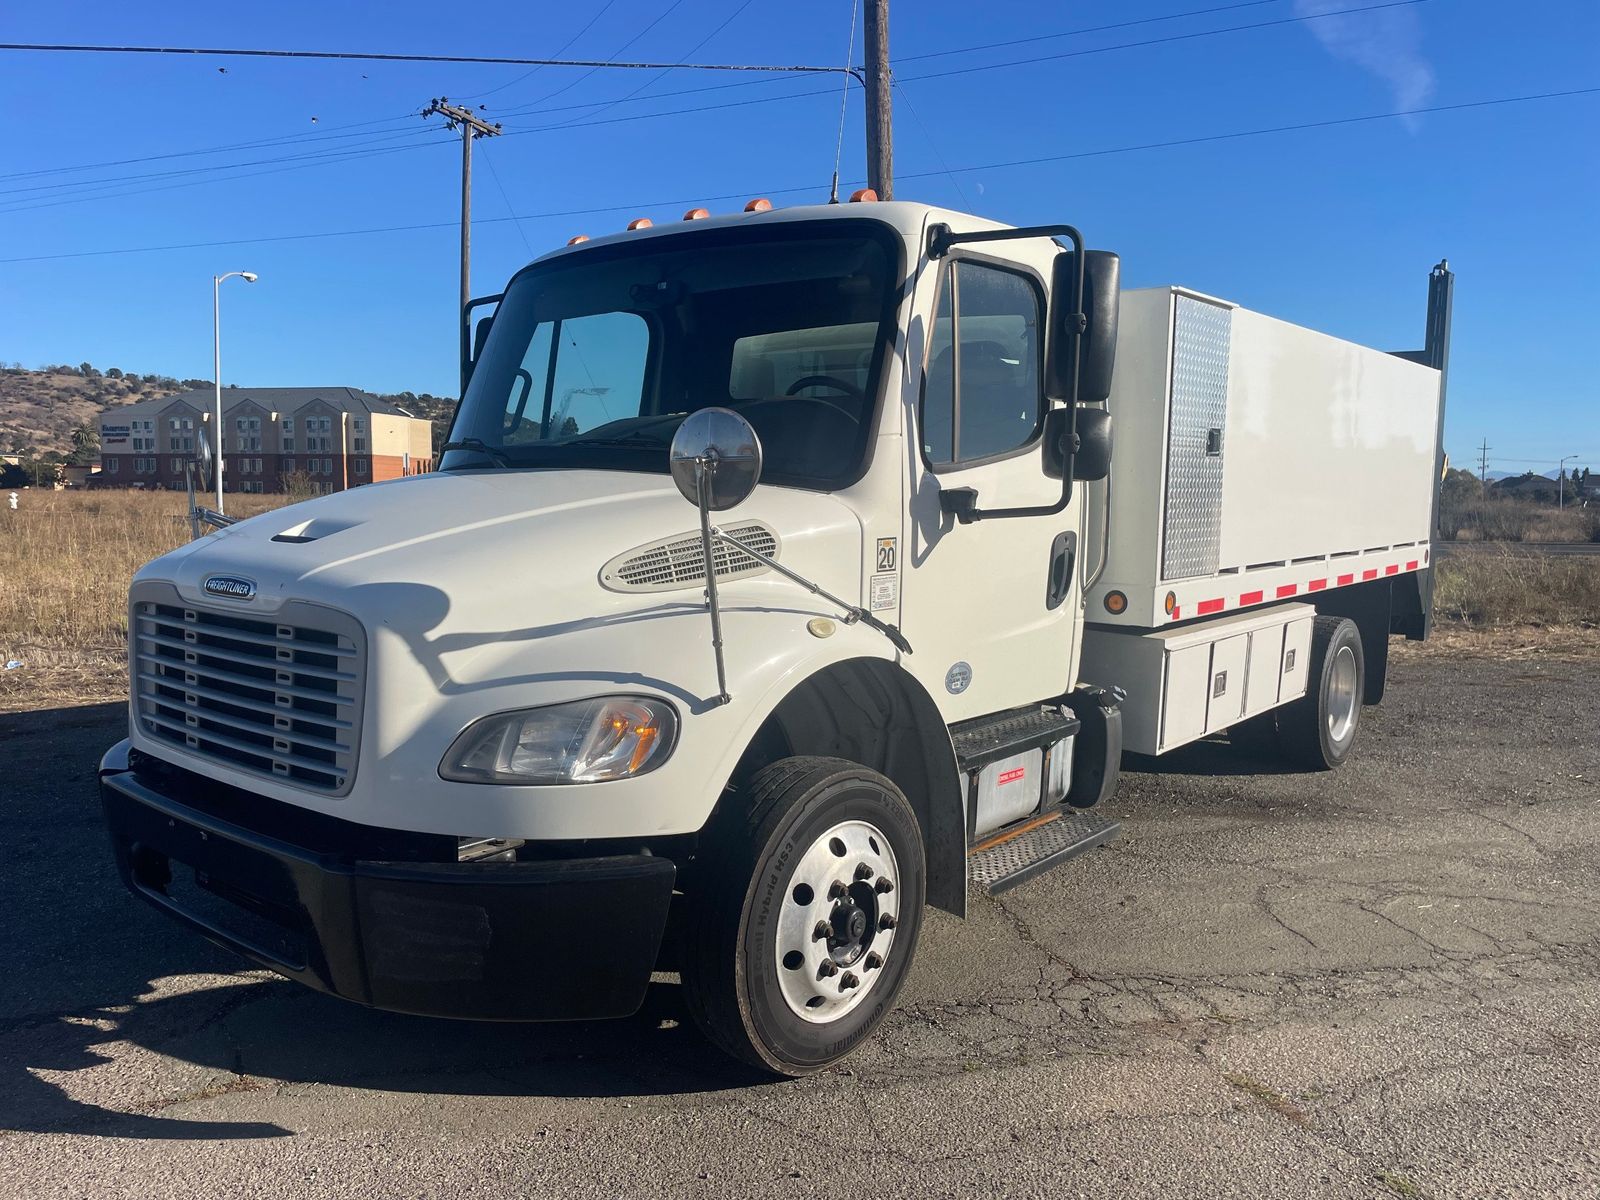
[481,553]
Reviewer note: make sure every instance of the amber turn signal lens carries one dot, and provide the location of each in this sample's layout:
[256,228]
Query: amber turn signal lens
[1116,603]
[1171,602]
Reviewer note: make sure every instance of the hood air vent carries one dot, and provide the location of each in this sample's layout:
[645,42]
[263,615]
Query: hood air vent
[679,561]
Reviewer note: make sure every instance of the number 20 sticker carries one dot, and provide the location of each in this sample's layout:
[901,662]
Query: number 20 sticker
[886,554]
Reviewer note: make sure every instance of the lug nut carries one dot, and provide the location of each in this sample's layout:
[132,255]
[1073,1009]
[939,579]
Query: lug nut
[828,967]
[837,890]
[883,885]
[886,921]
[848,980]
[863,871]
[874,960]
[823,930]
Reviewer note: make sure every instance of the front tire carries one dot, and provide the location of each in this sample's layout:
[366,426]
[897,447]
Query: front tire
[803,914]
[1318,731]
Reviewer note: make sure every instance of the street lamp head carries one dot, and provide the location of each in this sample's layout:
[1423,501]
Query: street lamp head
[248,276]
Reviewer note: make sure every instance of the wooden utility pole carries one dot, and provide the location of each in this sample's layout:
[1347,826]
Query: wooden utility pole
[880,117]
[471,126]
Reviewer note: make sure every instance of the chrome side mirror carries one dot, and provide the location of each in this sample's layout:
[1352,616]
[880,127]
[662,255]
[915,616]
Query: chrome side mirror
[205,462]
[718,448]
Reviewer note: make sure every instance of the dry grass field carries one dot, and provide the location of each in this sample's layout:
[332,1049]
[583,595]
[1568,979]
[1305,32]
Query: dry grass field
[66,559]
[65,562]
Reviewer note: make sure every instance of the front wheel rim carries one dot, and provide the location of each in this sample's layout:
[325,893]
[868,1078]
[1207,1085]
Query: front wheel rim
[1343,703]
[836,927]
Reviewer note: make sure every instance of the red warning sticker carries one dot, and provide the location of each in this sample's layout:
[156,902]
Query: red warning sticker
[1011,776]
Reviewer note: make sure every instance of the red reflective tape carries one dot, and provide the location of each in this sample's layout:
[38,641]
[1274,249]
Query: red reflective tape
[1013,775]
[1250,598]
[1412,565]
[1208,606]
[1316,585]
[1175,611]
[1344,579]
[1287,589]
[1392,569]
[1369,574]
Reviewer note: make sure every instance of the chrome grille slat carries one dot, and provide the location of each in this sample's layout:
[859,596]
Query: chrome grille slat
[277,695]
[179,684]
[254,681]
[300,668]
[232,634]
[680,561]
[270,732]
[210,735]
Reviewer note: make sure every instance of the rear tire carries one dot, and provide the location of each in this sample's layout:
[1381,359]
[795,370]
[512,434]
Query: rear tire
[762,979]
[1319,730]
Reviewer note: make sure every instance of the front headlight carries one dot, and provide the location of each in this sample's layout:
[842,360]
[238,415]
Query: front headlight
[587,741]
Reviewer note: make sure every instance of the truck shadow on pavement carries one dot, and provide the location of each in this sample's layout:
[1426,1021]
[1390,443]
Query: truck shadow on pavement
[113,1019]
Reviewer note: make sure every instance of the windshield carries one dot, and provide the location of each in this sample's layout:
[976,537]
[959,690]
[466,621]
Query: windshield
[595,358]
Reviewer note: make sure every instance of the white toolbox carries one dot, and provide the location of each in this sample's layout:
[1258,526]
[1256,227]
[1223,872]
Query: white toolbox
[1203,677]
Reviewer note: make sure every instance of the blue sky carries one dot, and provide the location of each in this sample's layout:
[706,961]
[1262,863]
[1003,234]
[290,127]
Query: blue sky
[1333,228]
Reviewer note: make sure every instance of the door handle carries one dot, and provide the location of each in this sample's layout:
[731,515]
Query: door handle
[1063,556]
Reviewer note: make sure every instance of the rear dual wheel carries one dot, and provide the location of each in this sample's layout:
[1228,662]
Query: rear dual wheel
[803,914]
[1318,731]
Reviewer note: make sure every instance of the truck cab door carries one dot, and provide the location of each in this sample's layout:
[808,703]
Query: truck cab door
[991,606]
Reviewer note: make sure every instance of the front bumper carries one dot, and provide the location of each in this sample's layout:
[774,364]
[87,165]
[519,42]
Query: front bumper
[560,939]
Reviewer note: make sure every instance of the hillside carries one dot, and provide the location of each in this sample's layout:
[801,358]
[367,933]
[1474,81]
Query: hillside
[39,409]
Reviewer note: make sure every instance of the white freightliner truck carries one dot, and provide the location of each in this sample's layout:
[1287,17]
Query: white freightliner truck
[494,743]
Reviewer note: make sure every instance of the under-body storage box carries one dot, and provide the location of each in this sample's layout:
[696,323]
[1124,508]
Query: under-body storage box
[1186,682]
[1255,460]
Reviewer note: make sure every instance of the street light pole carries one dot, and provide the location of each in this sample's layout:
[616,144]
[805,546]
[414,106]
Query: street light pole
[1561,480]
[216,361]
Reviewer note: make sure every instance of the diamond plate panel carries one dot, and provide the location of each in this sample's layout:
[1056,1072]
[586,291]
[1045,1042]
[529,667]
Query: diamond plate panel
[1192,507]
[1019,859]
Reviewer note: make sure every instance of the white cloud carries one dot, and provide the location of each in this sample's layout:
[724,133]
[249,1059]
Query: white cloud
[1387,43]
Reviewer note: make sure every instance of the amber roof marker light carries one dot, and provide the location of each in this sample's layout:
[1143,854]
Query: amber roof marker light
[759,204]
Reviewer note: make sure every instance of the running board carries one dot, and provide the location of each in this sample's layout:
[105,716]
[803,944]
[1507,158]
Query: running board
[1032,848]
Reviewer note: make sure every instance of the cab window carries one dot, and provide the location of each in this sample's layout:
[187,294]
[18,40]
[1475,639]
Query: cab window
[982,396]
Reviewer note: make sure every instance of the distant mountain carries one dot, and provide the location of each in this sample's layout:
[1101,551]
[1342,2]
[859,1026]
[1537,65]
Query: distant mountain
[39,409]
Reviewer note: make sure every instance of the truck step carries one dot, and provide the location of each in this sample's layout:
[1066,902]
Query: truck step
[989,739]
[1016,856]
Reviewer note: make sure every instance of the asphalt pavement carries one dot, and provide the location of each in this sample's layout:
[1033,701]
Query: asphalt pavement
[1380,982]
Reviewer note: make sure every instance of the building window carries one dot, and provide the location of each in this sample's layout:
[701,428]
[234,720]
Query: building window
[255,466]
[288,466]
[327,466]
[113,465]
[177,466]
[358,445]
[359,465]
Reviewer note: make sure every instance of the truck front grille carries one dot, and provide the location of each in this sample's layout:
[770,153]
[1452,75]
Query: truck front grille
[279,698]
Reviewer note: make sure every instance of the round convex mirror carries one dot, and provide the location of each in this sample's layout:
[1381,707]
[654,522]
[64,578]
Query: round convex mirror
[722,443]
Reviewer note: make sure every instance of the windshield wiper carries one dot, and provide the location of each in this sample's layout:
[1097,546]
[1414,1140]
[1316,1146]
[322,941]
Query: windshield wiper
[637,438]
[481,447]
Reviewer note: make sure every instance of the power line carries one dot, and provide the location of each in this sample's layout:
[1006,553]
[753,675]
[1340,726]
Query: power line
[1130,149]
[1047,37]
[565,46]
[634,97]
[1271,129]
[288,137]
[380,140]
[1162,41]
[610,62]
[368,56]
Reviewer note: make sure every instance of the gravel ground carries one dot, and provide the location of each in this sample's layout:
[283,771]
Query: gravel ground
[1380,982]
